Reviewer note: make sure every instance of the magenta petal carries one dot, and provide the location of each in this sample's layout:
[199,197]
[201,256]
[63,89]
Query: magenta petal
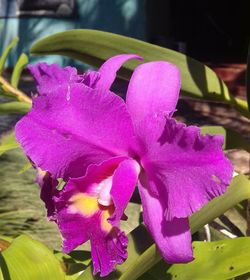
[74,127]
[95,174]
[90,78]
[48,192]
[80,218]
[173,238]
[123,185]
[50,77]
[110,67]
[107,248]
[153,88]
[185,168]
[108,251]
[73,227]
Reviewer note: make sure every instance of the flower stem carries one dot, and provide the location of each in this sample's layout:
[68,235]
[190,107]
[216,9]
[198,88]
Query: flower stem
[7,87]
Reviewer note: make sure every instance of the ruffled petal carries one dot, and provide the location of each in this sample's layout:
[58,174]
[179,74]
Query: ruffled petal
[49,77]
[108,250]
[80,218]
[153,88]
[184,168]
[173,238]
[73,127]
[123,185]
[108,244]
[110,67]
[90,78]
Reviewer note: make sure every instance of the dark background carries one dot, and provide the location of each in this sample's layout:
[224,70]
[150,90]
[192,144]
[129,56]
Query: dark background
[208,30]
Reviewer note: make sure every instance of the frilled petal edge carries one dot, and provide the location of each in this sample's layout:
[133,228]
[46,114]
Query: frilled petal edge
[81,217]
[49,77]
[185,168]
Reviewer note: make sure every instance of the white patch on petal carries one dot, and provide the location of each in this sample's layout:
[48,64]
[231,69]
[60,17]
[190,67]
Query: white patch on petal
[104,194]
[68,93]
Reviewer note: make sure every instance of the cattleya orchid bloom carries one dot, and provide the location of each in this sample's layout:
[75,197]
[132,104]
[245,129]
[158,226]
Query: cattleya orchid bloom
[101,146]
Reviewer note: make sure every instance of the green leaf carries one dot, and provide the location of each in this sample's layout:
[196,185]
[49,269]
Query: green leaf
[3,92]
[28,259]
[75,263]
[94,47]
[15,107]
[6,53]
[224,259]
[21,63]
[25,168]
[8,142]
[141,261]
[238,191]
[233,140]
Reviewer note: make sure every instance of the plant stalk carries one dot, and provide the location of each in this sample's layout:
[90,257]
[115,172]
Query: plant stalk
[21,96]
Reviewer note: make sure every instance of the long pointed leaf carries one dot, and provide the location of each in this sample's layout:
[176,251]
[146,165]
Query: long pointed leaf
[94,47]
[21,63]
[6,53]
[8,142]
[15,107]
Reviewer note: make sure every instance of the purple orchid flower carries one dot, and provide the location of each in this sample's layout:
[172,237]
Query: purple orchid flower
[102,147]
